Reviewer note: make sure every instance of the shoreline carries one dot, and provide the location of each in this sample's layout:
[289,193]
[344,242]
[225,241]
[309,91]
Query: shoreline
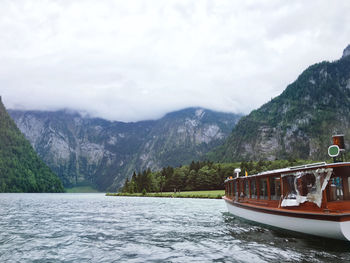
[216,194]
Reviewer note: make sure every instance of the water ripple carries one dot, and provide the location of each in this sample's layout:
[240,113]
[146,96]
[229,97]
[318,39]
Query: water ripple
[96,228]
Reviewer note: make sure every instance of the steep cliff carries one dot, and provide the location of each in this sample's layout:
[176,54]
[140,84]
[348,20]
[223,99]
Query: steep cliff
[298,123]
[21,170]
[97,152]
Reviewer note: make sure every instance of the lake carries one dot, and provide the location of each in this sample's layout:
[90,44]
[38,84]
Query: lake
[96,228]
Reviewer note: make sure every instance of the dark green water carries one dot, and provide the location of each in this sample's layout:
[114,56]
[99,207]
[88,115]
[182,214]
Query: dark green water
[96,228]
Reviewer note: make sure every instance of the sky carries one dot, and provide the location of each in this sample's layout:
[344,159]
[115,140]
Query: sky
[139,59]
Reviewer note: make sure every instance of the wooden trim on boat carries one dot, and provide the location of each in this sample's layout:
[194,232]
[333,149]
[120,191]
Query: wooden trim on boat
[329,216]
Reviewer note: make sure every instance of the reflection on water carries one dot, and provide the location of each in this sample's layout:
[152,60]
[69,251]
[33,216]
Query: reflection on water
[291,246]
[96,228]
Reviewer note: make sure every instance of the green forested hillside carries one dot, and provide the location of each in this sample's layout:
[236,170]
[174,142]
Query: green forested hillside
[21,170]
[300,122]
[85,151]
[204,175]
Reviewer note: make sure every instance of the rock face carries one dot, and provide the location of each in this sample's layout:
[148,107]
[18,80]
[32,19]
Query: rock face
[97,152]
[346,51]
[183,136]
[21,170]
[300,122]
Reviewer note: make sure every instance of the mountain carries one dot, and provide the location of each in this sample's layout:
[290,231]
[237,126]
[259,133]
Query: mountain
[300,122]
[101,153]
[183,136]
[21,170]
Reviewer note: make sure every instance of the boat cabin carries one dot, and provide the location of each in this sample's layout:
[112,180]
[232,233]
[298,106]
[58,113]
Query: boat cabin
[314,187]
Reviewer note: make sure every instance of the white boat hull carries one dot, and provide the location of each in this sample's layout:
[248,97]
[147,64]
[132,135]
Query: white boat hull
[323,228]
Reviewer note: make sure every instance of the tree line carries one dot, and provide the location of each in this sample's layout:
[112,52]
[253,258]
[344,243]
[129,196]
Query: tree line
[200,175]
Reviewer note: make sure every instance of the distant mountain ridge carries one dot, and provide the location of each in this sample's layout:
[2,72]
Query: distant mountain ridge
[94,151]
[300,122]
[21,170]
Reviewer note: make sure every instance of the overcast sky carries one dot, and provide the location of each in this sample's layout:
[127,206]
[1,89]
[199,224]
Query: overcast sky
[133,60]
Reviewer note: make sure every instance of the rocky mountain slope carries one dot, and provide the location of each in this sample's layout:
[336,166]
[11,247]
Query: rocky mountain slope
[21,170]
[298,123]
[97,152]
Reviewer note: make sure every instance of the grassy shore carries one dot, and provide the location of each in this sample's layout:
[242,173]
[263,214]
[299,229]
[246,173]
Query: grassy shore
[214,194]
[81,189]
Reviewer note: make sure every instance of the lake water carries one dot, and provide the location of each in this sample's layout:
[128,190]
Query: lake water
[96,228]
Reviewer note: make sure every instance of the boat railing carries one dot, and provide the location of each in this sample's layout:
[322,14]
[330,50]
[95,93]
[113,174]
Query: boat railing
[293,168]
[307,166]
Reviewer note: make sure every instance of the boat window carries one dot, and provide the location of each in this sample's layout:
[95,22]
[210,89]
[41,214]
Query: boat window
[290,188]
[253,188]
[348,193]
[275,188]
[305,184]
[238,189]
[263,189]
[234,188]
[246,187]
[241,188]
[346,187]
[336,189]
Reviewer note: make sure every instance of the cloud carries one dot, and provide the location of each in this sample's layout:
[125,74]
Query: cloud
[135,60]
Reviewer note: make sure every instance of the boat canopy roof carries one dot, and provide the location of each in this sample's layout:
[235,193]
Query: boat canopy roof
[295,168]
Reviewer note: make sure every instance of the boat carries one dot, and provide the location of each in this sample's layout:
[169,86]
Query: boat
[311,199]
